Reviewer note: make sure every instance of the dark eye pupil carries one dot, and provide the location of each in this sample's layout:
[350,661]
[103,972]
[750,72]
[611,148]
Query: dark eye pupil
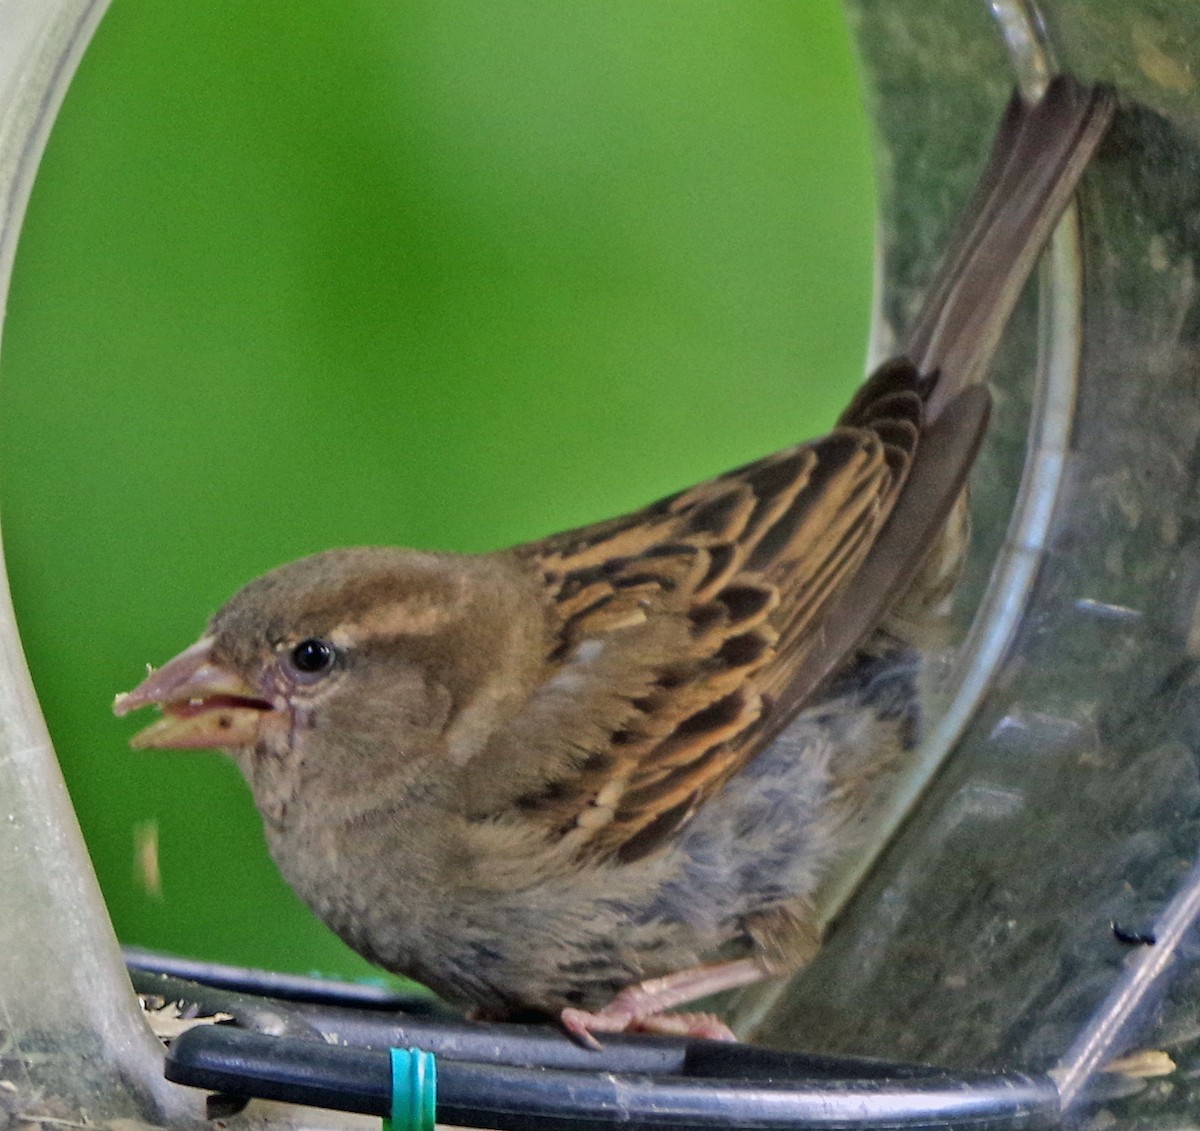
[312,656]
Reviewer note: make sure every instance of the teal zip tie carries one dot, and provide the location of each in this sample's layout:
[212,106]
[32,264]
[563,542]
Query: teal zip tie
[414,1091]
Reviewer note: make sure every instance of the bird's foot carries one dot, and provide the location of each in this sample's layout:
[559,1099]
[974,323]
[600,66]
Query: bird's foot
[644,1008]
[583,1025]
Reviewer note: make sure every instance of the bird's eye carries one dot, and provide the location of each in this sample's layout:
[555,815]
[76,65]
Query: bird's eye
[312,657]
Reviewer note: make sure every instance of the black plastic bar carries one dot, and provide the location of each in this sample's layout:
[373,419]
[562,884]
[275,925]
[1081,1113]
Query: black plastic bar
[235,1062]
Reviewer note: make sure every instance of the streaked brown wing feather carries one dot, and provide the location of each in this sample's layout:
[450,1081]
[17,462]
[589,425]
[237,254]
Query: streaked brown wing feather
[693,615]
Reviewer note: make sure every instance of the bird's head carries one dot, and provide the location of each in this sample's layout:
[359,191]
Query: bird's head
[347,666]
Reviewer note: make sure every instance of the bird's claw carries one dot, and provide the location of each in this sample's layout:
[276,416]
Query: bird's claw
[617,1017]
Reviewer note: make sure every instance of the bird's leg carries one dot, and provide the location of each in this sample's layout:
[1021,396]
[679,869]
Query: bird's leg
[642,1008]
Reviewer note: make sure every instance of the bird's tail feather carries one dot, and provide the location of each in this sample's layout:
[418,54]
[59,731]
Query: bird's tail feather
[1040,152]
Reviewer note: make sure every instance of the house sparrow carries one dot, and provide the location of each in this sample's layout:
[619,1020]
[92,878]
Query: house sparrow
[599,776]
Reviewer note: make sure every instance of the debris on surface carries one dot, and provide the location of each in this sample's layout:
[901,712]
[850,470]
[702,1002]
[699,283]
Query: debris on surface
[168,1020]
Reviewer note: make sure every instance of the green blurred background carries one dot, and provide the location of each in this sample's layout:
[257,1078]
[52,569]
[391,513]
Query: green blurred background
[444,273]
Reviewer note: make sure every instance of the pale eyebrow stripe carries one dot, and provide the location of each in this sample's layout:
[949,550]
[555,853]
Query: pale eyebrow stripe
[415,617]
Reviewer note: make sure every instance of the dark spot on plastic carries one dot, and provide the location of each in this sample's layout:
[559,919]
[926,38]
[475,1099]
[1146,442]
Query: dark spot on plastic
[1132,938]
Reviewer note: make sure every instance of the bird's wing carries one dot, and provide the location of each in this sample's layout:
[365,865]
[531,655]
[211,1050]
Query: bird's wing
[680,629]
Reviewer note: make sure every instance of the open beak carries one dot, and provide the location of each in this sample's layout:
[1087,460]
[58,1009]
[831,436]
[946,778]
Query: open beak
[204,705]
